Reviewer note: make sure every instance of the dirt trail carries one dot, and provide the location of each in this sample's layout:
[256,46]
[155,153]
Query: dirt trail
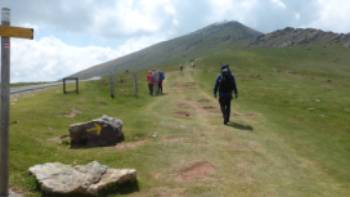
[210,159]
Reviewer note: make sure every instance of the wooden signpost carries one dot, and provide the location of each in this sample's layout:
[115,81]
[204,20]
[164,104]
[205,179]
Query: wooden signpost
[6,32]
[112,86]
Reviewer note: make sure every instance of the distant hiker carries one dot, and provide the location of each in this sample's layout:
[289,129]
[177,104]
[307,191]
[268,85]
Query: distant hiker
[181,68]
[150,82]
[155,78]
[226,86]
[161,79]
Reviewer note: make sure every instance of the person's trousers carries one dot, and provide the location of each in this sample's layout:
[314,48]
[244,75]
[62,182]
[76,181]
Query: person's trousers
[161,87]
[150,88]
[225,105]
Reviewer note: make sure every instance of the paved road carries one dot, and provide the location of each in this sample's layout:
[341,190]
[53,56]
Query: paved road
[31,88]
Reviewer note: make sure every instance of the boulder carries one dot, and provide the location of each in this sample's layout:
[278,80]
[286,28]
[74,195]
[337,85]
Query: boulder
[14,194]
[105,131]
[92,179]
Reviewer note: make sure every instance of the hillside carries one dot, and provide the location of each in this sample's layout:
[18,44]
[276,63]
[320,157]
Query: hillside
[187,47]
[289,37]
[215,38]
[289,134]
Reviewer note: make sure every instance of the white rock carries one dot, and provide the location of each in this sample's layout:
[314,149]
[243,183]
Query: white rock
[90,179]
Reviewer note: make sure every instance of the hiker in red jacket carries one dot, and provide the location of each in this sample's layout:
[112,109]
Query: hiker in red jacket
[150,82]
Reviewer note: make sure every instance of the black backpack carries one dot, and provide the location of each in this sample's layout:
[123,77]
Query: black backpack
[226,83]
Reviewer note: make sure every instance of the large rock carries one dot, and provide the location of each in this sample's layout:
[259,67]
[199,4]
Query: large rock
[92,179]
[105,131]
[14,194]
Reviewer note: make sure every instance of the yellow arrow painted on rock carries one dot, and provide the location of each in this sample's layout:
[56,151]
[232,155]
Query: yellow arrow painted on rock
[96,130]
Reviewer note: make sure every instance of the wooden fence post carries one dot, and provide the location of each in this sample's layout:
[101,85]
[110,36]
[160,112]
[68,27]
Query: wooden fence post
[64,86]
[136,88]
[112,86]
[77,85]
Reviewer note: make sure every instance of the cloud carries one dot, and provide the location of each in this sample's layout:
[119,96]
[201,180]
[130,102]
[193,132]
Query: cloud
[264,15]
[49,58]
[101,18]
[333,15]
[279,3]
[73,35]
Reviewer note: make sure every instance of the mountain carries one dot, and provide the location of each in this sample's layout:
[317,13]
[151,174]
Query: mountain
[206,40]
[289,37]
[214,38]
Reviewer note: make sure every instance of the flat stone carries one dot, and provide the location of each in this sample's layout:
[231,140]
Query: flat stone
[111,178]
[14,194]
[91,179]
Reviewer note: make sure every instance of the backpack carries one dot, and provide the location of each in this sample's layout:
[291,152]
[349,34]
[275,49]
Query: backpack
[227,82]
[161,76]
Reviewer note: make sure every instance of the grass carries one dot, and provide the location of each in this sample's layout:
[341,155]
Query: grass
[303,92]
[289,138]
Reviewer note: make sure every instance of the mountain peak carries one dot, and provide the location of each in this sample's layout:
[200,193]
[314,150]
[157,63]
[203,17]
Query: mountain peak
[234,29]
[290,36]
[206,40]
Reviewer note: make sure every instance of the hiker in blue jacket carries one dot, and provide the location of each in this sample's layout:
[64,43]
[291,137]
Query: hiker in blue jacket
[161,79]
[226,86]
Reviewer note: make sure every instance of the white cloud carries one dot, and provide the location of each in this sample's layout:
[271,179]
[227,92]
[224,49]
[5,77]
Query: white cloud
[50,59]
[279,3]
[139,23]
[333,15]
[131,17]
[231,9]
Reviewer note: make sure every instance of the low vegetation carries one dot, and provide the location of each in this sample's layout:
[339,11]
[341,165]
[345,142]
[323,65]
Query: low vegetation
[289,135]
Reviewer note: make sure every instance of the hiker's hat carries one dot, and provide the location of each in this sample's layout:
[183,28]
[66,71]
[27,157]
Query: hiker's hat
[225,67]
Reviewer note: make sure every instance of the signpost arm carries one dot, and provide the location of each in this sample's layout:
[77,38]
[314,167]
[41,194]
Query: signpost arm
[5,98]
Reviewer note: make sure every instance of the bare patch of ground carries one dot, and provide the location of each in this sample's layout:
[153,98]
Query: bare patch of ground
[64,139]
[210,108]
[183,114]
[15,193]
[166,192]
[72,113]
[247,115]
[183,105]
[251,115]
[130,145]
[14,100]
[204,100]
[196,170]
[246,146]
[188,85]
[171,139]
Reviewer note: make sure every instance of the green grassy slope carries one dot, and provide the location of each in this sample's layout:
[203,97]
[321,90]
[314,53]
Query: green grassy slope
[303,92]
[289,138]
[39,120]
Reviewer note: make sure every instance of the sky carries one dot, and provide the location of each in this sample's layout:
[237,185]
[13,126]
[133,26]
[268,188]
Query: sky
[72,35]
